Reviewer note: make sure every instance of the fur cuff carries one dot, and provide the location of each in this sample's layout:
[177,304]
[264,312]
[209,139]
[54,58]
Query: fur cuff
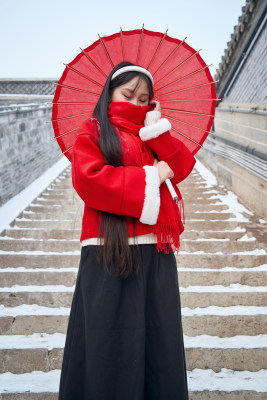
[152,117]
[153,131]
[152,196]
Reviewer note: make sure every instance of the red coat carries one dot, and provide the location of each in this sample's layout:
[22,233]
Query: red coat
[121,190]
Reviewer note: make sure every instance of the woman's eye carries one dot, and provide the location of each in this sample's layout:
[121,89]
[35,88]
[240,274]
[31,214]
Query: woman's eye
[127,97]
[142,101]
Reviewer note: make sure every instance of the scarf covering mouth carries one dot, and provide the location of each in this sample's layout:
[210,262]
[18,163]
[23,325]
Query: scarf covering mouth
[129,118]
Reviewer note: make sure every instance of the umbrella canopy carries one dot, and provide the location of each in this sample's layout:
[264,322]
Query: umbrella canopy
[182,83]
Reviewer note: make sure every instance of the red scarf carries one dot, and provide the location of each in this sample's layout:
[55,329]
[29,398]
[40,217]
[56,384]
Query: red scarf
[129,118]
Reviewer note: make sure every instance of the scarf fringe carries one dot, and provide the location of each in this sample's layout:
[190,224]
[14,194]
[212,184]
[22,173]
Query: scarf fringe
[168,235]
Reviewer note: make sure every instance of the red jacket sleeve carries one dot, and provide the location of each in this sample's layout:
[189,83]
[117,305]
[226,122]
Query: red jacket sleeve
[117,190]
[175,153]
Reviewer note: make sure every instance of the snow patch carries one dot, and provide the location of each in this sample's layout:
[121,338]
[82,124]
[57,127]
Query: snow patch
[32,309]
[31,382]
[235,342]
[35,341]
[245,238]
[224,269]
[224,311]
[35,288]
[24,269]
[233,288]
[206,174]
[206,240]
[230,199]
[227,380]
[38,253]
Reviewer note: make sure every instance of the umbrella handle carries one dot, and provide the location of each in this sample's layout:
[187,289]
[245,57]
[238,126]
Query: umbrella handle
[172,191]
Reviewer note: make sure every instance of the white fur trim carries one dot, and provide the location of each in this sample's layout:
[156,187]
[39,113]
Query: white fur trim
[151,205]
[152,117]
[153,131]
[141,239]
[133,68]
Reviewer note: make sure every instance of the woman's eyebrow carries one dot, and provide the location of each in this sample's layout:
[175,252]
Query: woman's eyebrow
[132,91]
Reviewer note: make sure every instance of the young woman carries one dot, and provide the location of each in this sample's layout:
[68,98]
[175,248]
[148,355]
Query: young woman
[124,338]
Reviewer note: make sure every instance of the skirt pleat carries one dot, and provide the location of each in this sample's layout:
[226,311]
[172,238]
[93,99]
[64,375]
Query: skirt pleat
[124,339]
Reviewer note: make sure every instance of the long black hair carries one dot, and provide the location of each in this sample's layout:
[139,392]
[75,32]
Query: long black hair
[116,251]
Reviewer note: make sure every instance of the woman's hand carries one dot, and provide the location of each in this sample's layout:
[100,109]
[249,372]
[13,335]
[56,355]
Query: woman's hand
[157,105]
[165,172]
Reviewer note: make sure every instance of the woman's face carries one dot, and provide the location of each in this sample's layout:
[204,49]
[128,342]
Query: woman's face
[135,91]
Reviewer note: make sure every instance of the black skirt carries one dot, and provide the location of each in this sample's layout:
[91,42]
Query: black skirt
[124,339]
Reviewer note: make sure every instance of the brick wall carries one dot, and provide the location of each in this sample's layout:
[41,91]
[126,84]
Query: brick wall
[26,150]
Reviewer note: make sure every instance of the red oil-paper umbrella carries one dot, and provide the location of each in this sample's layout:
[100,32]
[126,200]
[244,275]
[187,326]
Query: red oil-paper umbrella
[182,83]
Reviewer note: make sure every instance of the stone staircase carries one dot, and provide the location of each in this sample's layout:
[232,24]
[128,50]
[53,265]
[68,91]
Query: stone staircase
[222,272]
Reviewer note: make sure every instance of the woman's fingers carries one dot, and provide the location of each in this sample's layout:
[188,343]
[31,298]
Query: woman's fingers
[165,172]
[157,105]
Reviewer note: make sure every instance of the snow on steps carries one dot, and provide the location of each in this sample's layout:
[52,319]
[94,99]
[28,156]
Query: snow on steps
[222,270]
[203,385]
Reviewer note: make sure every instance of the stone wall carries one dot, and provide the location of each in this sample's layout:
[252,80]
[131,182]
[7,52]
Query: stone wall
[244,124]
[37,86]
[26,149]
[249,85]
[243,173]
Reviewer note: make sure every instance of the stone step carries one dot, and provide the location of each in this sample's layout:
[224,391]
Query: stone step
[33,360]
[194,234]
[61,185]
[190,299]
[193,207]
[45,234]
[218,216]
[61,197]
[60,200]
[47,208]
[45,277]
[223,278]
[186,278]
[218,261]
[194,325]
[52,224]
[29,260]
[39,245]
[70,216]
[46,299]
[47,199]
[220,245]
[224,326]
[203,225]
[228,299]
[192,192]
[30,324]
[42,359]
[30,396]
[215,261]
[209,246]
[67,234]
[59,190]
[187,194]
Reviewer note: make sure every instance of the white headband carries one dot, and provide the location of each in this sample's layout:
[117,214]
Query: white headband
[133,68]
